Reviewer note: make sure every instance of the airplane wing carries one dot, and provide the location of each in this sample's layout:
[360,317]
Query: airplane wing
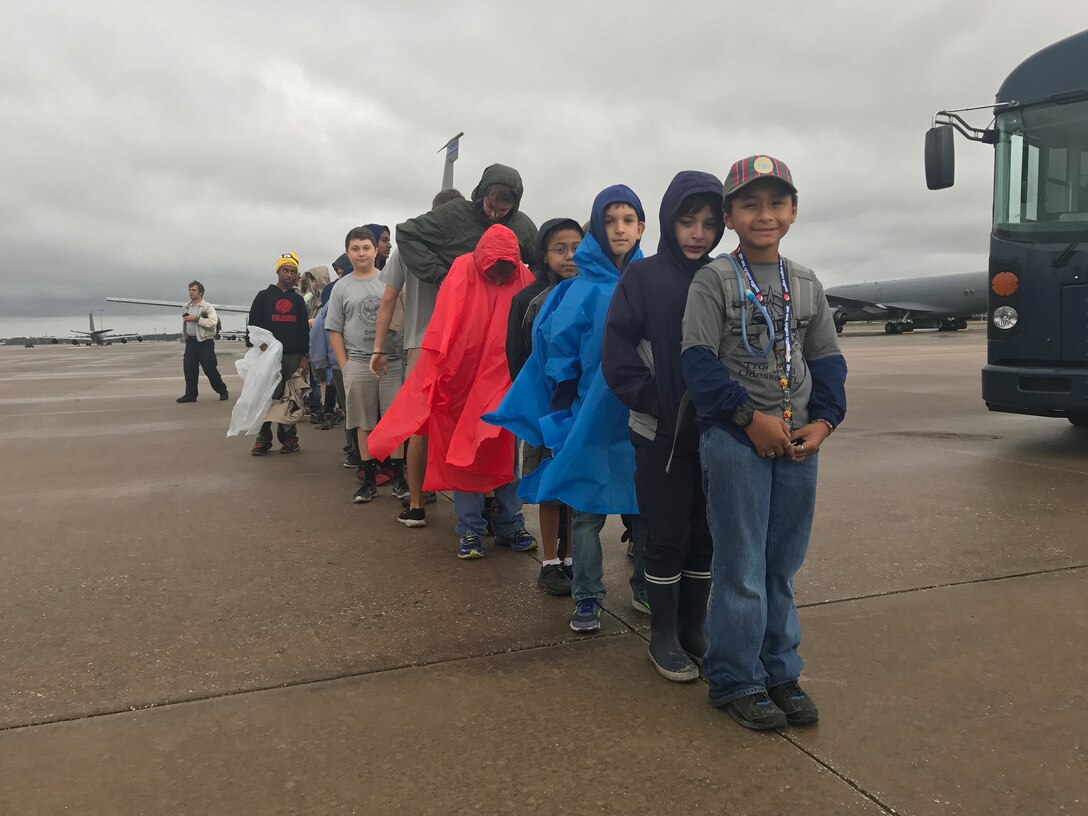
[176,304]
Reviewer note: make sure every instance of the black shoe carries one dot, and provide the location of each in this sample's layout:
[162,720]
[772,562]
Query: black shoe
[261,448]
[413,518]
[795,704]
[569,570]
[289,446]
[400,489]
[553,580]
[185,398]
[757,712]
[366,492]
[666,653]
[316,419]
[352,461]
[223,396]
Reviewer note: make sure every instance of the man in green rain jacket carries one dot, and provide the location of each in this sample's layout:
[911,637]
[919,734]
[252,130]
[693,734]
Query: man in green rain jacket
[429,244]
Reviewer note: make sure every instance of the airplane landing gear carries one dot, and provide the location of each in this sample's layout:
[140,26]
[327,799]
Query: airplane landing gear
[899,327]
[891,328]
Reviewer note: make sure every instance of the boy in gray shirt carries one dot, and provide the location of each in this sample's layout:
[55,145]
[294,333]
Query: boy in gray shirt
[762,365]
[351,322]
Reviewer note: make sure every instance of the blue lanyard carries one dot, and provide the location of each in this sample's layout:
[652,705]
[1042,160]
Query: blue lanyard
[755,296]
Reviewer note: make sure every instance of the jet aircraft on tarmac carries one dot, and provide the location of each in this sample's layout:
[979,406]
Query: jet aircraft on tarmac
[943,302]
[96,337]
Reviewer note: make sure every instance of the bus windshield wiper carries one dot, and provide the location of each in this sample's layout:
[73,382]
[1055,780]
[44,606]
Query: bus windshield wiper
[1067,253]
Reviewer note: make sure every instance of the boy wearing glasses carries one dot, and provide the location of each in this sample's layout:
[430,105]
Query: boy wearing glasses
[559,240]
[761,360]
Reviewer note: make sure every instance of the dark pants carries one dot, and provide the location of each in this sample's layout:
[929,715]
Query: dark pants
[288,366]
[673,508]
[197,356]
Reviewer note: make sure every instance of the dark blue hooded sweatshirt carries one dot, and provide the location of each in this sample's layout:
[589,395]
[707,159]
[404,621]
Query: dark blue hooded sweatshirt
[647,310]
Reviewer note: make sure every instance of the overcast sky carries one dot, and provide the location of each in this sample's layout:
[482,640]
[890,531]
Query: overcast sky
[144,145]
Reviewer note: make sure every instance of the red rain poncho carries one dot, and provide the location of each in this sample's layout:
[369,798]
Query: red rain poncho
[461,373]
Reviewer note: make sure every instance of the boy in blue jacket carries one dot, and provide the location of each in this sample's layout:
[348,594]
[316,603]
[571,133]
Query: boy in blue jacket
[762,363]
[641,362]
[561,401]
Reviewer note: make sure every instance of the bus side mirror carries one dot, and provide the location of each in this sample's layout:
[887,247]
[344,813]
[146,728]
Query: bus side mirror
[940,158]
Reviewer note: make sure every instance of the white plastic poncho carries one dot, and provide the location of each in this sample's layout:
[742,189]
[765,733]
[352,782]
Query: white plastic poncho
[260,373]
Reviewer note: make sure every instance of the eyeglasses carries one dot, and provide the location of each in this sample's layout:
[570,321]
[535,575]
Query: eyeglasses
[563,249]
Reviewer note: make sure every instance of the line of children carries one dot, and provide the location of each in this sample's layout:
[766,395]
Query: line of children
[706,388]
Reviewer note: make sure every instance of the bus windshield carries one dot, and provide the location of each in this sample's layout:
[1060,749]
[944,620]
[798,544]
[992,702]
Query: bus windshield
[1041,173]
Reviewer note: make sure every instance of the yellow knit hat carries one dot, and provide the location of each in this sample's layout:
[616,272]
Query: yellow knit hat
[287,258]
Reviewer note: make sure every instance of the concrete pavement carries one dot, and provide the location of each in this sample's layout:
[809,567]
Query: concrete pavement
[189,629]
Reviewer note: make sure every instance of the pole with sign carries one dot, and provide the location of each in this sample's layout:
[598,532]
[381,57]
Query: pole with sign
[451,156]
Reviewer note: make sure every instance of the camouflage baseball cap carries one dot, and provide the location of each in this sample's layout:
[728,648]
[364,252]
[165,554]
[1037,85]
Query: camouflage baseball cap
[748,170]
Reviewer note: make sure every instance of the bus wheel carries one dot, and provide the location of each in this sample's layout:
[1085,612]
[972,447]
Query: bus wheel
[1079,420]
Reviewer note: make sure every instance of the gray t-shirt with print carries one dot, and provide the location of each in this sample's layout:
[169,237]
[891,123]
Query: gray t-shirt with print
[353,311]
[419,299]
[704,324]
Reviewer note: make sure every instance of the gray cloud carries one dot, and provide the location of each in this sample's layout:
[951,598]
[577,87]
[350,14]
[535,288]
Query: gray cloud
[145,146]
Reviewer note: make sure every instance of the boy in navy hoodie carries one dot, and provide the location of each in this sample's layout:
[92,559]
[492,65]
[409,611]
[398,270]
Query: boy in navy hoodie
[762,363]
[641,363]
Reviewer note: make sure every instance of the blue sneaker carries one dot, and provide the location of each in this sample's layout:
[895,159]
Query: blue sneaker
[518,541]
[470,547]
[587,615]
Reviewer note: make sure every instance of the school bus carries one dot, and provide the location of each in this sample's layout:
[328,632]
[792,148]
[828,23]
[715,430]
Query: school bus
[1037,328]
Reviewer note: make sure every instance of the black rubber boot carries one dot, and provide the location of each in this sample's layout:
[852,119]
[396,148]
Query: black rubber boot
[694,595]
[668,656]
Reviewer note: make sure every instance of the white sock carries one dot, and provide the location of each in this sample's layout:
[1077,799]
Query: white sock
[551,561]
[568,562]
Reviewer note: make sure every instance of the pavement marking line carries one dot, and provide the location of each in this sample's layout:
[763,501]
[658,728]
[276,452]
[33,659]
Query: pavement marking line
[311,681]
[831,769]
[907,590]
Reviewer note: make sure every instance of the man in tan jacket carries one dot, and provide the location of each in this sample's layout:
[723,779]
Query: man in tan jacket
[200,324]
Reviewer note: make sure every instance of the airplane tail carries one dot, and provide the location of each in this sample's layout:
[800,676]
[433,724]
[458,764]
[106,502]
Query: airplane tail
[90,319]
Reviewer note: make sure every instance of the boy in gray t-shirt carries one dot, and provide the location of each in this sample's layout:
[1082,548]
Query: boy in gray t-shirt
[351,323]
[762,365]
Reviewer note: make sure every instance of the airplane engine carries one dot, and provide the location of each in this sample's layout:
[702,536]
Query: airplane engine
[54,341]
[124,341]
[75,342]
[139,338]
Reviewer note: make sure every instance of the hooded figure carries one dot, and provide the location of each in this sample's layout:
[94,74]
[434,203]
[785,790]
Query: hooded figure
[561,400]
[641,362]
[528,302]
[461,374]
[430,243]
[313,284]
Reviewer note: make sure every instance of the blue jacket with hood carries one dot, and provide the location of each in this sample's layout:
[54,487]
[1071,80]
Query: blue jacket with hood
[560,398]
[643,331]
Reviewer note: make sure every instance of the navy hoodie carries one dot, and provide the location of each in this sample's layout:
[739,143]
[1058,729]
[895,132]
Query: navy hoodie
[648,310]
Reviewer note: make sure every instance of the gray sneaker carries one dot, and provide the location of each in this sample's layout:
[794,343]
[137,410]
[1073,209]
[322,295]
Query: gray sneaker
[366,492]
[587,616]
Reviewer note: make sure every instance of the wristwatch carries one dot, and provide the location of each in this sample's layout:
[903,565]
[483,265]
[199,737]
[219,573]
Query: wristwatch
[742,415]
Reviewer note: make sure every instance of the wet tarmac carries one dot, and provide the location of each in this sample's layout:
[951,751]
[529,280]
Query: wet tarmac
[185,628]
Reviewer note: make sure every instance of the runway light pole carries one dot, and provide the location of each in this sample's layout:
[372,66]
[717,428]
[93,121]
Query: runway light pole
[451,156]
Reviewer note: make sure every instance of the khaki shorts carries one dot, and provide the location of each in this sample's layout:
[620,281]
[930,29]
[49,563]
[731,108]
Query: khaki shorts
[367,397]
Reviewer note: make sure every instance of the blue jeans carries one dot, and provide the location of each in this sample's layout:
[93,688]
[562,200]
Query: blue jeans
[585,534]
[469,508]
[760,515]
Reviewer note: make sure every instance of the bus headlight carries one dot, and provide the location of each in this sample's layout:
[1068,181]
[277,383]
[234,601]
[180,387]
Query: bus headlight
[1005,317]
